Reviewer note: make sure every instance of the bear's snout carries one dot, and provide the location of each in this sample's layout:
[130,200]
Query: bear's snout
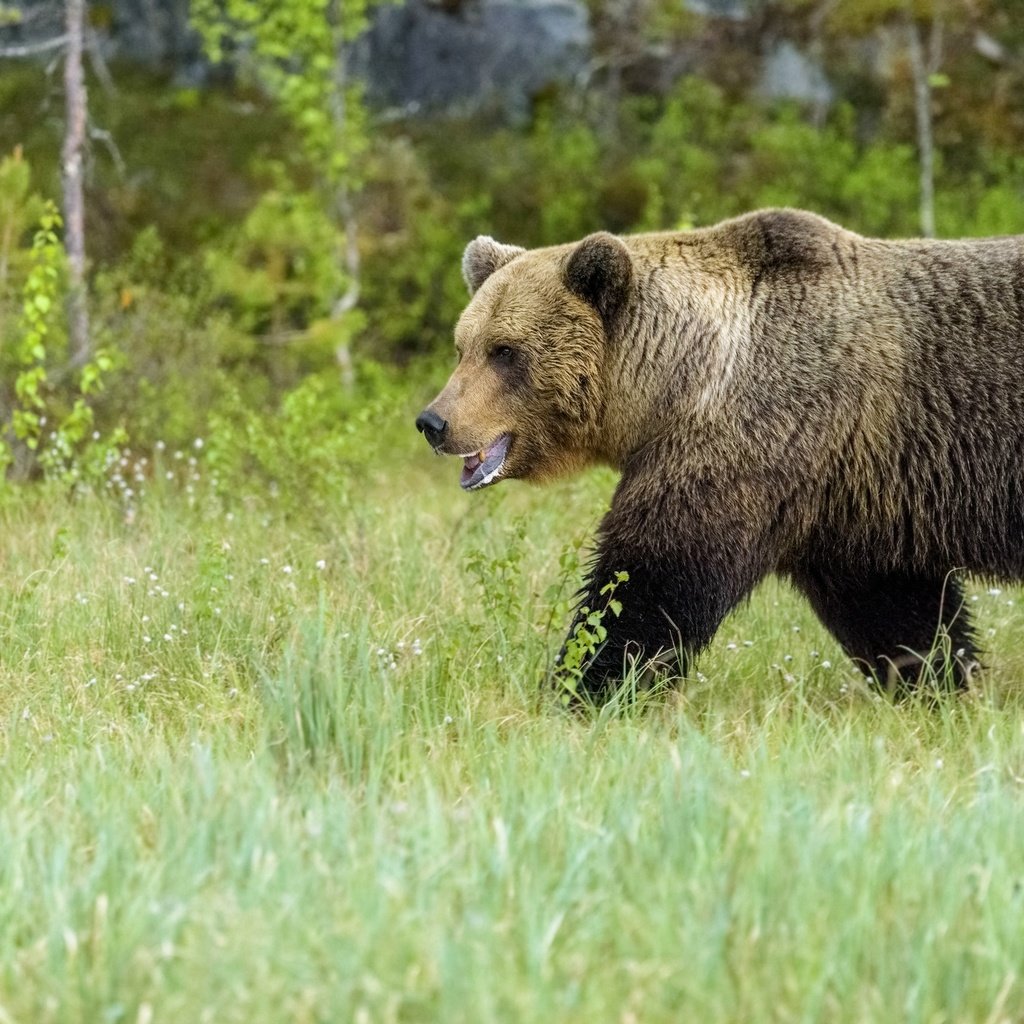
[432,427]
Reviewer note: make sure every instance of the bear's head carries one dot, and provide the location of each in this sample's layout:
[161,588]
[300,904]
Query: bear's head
[527,396]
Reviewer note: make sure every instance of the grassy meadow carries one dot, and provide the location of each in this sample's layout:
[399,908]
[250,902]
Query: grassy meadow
[276,745]
[266,761]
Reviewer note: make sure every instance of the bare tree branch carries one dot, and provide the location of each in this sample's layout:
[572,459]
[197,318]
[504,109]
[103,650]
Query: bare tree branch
[104,136]
[99,64]
[30,49]
[349,299]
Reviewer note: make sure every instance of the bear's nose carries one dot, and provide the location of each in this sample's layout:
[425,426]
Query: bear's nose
[431,426]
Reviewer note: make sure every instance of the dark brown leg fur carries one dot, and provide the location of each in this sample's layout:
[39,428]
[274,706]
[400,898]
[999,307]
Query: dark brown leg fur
[897,626]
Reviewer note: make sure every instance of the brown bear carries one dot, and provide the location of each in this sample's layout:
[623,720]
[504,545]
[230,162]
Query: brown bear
[780,395]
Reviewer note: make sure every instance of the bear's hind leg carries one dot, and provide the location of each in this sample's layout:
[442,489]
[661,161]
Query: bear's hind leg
[900,627]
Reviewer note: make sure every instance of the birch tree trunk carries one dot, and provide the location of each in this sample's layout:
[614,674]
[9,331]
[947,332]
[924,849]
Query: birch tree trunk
[344,211]
[72,163]
[923,68]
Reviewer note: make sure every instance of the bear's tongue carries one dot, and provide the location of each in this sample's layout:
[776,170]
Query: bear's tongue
[483,467]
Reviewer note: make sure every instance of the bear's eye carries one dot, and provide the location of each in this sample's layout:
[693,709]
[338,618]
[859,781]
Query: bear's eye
[503,353]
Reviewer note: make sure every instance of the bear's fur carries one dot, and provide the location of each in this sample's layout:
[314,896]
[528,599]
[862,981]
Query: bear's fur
[780,395]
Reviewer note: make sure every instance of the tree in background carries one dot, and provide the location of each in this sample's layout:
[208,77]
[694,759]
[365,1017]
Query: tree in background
[299,52]
[920,18]
[925,71]
[38,23]
[634,44]
[75,117]
[922,27]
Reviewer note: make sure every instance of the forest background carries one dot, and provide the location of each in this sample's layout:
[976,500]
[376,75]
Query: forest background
[275,205]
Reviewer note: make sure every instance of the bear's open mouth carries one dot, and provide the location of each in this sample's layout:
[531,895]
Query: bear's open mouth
[484,467]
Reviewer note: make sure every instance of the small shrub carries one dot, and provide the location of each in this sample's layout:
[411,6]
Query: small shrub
[587,638]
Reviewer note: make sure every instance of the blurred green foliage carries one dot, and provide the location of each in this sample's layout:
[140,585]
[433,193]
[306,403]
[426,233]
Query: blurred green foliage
[217,265]
[277,270]
[46,401]
[20,210]
[295,50]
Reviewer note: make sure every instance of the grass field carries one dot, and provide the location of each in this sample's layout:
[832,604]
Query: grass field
[267,763]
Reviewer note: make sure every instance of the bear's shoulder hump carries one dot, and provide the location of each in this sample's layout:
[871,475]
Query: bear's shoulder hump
[784,239]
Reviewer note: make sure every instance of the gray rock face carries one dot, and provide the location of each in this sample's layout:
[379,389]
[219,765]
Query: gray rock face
[734,10]
[152,31]
[422,55]
[433,56]
[790,74]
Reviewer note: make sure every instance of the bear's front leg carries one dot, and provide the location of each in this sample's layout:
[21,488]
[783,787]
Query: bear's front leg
[676,571]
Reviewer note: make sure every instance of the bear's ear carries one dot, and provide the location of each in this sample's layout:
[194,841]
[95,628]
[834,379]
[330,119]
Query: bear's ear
[483,256]
[600,271]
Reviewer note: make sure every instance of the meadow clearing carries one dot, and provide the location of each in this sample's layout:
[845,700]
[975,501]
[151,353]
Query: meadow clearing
[263,760]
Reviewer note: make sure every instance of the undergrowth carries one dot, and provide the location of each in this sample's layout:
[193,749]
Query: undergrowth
[265,760]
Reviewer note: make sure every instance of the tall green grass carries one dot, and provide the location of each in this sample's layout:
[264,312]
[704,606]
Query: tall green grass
[307,773]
